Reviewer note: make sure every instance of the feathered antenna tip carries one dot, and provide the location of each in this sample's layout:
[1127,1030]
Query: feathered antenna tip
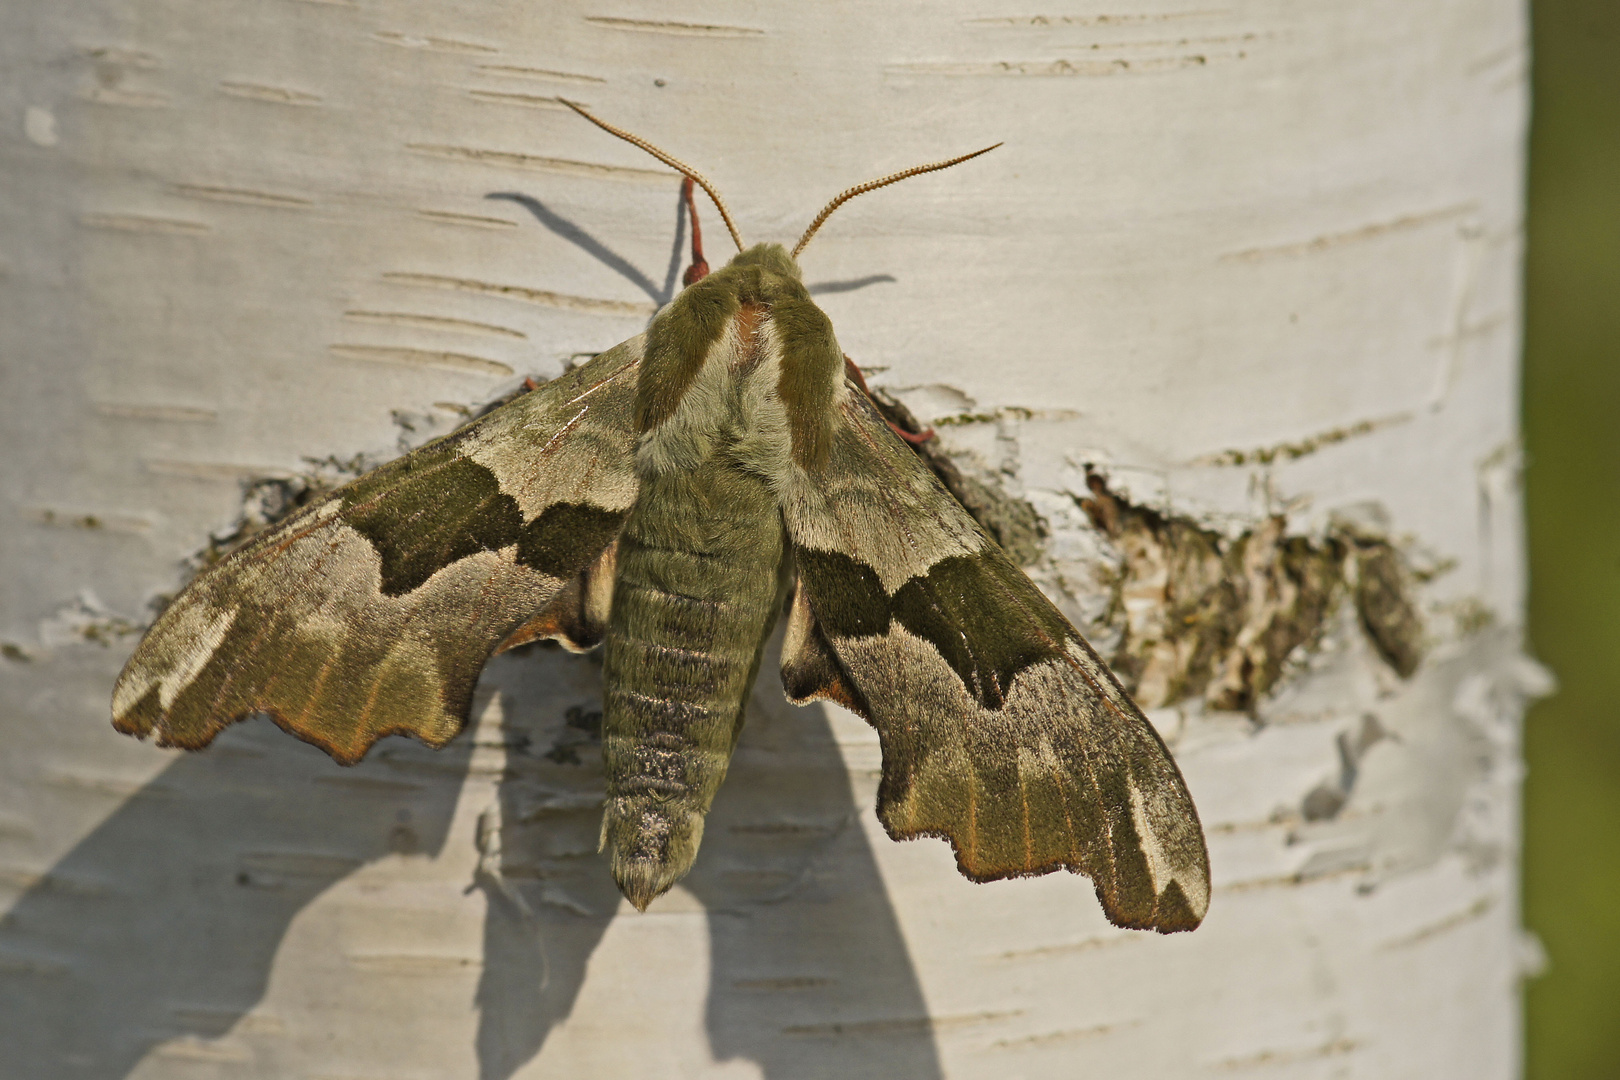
[873,185]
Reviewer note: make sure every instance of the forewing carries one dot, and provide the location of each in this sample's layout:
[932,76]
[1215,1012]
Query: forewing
[372,612]
[1002,731]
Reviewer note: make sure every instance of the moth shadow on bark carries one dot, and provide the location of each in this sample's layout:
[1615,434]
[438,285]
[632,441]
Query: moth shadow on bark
[809,974]
[156,933]
[827,288]
[150,944]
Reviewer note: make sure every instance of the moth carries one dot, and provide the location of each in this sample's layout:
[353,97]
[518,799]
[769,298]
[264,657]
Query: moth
[669,500]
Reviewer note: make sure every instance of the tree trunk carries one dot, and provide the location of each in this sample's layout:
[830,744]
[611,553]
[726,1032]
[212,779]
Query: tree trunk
[1222,343]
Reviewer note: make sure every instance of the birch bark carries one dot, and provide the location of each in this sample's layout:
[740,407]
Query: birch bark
[1257,268]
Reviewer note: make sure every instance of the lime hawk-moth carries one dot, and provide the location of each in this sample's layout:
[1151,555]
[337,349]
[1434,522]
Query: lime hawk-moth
[669,499]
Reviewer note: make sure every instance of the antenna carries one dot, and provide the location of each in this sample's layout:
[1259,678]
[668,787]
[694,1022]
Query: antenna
[682,168]
[873,185]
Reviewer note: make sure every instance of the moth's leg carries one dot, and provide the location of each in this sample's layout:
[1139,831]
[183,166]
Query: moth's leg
[915,434]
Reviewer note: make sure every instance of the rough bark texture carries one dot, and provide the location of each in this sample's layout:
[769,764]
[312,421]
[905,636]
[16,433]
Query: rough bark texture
[1257,268]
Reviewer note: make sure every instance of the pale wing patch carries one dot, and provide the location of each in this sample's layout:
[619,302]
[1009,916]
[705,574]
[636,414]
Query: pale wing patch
[345,572]
[568,447]
[323,626]
[1195,885]
[1148,814]
[1159,869]
[197,635]
[200,649]
[878,504]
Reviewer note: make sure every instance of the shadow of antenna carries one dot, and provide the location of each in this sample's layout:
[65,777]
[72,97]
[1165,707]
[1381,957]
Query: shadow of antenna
[574,234]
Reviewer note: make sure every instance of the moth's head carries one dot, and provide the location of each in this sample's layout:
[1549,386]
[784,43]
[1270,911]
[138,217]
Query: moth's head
[771,256]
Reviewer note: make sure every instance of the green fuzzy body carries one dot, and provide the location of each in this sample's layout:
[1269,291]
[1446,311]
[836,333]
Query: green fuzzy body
[702,567]
[700,585]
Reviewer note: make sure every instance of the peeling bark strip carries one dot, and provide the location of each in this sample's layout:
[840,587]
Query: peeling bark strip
[1207,616]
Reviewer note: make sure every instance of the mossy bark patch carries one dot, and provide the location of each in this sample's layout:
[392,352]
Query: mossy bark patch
[1204,615]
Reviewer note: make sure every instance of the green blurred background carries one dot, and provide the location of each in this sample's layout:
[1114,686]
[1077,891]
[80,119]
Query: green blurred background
[1572,437]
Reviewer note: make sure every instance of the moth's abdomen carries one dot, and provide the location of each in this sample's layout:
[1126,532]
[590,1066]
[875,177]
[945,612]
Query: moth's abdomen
[700,584]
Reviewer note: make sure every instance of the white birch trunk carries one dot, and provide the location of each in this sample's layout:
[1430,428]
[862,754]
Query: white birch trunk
[235,235]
